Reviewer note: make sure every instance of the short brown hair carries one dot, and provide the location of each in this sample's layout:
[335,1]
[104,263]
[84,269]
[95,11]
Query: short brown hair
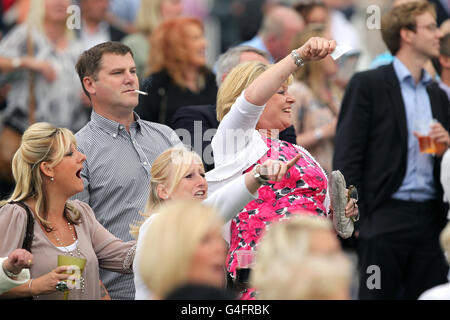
[402,16]
[89,62]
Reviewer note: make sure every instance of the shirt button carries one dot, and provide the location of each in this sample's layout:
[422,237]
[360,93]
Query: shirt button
[120,127]
[145,163]
[114,135]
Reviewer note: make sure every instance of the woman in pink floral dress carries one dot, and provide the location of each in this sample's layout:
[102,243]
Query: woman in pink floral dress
[255,96]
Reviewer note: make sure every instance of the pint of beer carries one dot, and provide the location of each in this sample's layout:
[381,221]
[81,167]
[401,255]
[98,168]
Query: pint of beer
[426,144]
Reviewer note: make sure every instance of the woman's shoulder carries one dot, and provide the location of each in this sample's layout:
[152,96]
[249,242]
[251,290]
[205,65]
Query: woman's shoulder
[13,212]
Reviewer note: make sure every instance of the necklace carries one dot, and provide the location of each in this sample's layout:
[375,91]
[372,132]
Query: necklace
[82,283]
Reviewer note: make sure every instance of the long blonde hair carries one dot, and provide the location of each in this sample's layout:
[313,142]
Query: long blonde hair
[239,78]
[174,163]
[149,15]
[172,239]
[36,18]
[41,142]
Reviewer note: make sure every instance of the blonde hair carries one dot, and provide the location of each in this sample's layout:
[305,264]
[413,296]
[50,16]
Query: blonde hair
[149,15]
[174,163]
[170,243]
[444,239]
[286,268]
[36,17]
[41,142]
[239,78]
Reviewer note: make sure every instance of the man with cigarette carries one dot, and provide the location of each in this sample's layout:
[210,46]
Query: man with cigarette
[377,150]
[119,147]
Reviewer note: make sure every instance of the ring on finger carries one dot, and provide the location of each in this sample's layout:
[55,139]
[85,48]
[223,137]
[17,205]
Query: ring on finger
[61,286]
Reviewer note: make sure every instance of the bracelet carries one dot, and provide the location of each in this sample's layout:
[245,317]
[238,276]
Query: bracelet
[318,133]
[10,274]
[299,62]
[29,287]
[258,176]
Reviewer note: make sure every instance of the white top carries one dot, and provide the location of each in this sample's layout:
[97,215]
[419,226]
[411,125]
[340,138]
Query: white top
[6,283]
[69,248]
[441,292]
[445,177]
[228,201]
[237,145]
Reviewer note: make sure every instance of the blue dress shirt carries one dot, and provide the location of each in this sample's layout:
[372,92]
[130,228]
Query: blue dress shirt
[418,183]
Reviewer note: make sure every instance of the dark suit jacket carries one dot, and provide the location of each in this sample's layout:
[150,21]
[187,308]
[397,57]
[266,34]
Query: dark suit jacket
[371,136]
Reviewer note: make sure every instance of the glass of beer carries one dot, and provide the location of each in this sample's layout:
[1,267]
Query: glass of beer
[246,260]
[77,267]
[426,144]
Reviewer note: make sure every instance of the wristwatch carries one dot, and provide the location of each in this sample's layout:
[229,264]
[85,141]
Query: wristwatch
[299,62]
[258,176]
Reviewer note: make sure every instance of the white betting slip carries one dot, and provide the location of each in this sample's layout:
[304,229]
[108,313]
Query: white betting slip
[340,50]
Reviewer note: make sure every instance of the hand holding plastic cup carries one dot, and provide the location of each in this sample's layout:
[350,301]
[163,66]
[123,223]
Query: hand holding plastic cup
[422,129]
[76,269]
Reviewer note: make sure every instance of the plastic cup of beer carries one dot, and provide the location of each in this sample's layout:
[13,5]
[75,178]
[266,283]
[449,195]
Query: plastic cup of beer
[423,128]
[77,266]
[246,261]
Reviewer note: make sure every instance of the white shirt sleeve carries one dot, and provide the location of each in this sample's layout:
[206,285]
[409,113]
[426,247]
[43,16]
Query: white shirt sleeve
[142,292]
[6,283]
[230,198]
[445,176]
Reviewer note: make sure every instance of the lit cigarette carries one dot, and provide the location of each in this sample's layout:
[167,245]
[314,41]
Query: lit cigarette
[141,92]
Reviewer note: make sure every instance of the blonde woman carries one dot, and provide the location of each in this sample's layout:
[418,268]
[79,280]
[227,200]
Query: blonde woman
[185,247]
[178,174]
[253,106]
[301,259]
[51,58]
[47,169]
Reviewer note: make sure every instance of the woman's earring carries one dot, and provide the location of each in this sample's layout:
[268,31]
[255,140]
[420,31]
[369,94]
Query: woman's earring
[52,179]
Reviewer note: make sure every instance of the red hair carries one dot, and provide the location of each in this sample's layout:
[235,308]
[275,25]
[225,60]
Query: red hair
[169,50]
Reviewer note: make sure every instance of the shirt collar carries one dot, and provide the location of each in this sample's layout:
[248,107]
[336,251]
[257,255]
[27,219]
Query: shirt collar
[113,127]
[404,74]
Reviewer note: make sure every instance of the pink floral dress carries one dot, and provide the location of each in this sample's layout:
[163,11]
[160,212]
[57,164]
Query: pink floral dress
[303,188]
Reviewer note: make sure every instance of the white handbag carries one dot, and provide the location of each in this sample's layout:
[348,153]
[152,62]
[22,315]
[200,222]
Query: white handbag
[338,197]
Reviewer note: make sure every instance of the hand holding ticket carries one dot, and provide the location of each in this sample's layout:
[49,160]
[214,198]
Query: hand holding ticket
[340,51]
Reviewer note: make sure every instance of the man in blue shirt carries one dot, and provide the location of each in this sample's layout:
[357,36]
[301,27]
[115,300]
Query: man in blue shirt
[401,206]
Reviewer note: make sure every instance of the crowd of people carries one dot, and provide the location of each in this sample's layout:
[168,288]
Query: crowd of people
[131,167]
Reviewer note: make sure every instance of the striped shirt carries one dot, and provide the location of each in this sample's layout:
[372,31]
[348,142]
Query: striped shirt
[116,176]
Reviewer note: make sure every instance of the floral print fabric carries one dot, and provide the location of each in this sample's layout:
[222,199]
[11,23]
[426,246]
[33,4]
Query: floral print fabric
[304,187]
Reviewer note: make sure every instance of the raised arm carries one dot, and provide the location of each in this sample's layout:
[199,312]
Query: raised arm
[267,84]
